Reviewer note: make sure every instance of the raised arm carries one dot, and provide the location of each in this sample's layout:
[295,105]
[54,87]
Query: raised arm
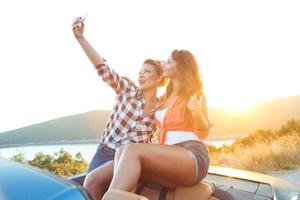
[107,74]
[91,53]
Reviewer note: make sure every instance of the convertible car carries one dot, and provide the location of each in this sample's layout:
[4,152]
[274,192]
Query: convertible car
[18,182]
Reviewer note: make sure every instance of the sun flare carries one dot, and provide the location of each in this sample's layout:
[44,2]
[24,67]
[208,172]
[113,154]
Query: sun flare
[236,106]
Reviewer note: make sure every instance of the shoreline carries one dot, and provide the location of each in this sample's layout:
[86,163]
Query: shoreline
[91,141]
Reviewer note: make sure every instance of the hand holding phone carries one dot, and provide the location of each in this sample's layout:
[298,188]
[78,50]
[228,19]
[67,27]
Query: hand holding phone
[78,20]
[78,27]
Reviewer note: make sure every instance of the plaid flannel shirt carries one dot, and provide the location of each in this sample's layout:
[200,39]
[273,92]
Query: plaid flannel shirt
[126,123]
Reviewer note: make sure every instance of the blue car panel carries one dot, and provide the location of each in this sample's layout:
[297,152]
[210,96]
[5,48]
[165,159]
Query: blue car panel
[18,181]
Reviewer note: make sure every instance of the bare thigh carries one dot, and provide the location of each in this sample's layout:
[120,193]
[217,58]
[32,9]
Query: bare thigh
[167,165]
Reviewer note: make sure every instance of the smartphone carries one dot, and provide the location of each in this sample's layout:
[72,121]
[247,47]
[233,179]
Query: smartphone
[79,19]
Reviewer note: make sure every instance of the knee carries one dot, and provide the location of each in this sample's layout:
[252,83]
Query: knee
[94,180]
[119,151]
[132,149]
[90,181]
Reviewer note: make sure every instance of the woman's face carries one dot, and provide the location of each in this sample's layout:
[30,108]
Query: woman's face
[169,69]
[148,78]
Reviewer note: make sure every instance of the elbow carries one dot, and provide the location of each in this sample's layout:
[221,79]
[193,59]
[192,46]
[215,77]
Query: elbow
[202,130]
[202,134]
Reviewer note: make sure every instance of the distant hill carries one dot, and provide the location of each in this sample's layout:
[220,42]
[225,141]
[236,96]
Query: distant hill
[87,127]
[265,115]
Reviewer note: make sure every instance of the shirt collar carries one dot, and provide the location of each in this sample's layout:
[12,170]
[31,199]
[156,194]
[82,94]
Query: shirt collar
[139,96]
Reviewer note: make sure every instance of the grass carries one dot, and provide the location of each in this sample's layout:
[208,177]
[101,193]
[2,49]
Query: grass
[264,151]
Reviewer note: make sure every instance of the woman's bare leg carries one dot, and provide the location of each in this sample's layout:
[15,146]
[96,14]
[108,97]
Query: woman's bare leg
[98,180]
[172,164]
[117,157]
[116,161]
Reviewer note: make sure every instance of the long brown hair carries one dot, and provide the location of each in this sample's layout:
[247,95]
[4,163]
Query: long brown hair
[190,81]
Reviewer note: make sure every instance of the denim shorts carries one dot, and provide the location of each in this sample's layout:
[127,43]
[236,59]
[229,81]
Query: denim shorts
[201,157]
[103,155]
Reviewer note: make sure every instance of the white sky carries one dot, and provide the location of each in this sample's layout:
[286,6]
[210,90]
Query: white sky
[248,51]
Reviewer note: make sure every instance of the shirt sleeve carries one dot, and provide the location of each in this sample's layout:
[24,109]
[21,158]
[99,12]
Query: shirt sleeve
[116,82]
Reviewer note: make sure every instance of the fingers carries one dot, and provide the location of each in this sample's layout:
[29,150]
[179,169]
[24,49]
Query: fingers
[76,21]
[191,99]
[78,29]
[79,24]
[75,29]
[198,97]
[195,97]
[192,102]
[195,100]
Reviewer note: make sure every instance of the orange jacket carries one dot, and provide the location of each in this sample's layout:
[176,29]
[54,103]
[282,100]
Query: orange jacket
[174,121]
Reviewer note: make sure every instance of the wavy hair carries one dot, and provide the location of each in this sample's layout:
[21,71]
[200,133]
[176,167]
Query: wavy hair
[190,81]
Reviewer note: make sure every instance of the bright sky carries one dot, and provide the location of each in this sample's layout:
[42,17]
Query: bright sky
[248,51]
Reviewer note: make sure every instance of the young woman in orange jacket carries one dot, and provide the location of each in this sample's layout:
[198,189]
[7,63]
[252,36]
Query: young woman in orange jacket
[180,158]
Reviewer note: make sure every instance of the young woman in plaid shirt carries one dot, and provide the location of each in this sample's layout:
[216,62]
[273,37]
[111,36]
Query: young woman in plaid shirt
[132,117]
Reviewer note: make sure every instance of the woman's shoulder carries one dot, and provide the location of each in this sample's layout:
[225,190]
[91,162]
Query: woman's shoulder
[177,107]
[129,86]
[129,81]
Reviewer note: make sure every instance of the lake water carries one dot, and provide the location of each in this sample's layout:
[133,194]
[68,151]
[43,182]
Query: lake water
[87,150]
